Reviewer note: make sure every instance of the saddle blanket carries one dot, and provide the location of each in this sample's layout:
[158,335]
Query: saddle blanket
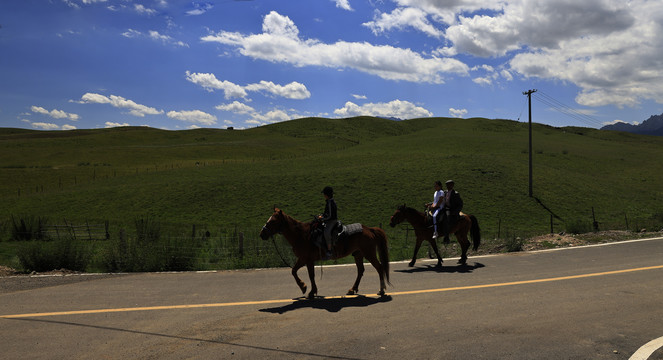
[351,229]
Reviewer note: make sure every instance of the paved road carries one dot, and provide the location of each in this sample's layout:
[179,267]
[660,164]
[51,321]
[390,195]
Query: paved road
[600,302]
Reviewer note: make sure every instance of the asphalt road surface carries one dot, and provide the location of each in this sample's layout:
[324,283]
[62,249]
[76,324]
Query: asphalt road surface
[599,302]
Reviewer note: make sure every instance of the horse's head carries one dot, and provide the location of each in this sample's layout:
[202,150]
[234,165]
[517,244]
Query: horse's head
[398,217]
[274,224]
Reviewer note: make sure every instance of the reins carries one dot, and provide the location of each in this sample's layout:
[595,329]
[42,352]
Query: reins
[279,252]
[271,235]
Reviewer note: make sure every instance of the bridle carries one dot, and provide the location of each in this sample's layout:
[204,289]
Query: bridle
[271,235]
[269,231]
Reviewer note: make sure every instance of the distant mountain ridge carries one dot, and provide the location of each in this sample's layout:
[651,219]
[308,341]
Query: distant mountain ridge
[651,126]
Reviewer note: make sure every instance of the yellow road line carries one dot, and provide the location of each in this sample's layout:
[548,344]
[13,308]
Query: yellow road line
[264,302]
[528,281]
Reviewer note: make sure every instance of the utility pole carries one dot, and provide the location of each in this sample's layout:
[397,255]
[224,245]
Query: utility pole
[529,100]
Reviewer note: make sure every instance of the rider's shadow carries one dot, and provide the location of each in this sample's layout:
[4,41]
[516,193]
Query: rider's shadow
[330,304]
[463,269]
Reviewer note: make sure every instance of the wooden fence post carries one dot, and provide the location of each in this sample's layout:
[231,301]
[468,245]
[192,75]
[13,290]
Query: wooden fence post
[551,225]
[594,223]
[241,245]
[626,219]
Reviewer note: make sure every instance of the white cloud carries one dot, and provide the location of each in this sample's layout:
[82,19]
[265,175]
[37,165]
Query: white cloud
[236,107]
[193,116]
[110,124]
[131,33]
[199,8]
[156,36]
[403,18]
[293,90]
[280,42]
[165,39]
[50,126]
[45,126]
[617,121]
[211,83]
[446,11]
[56,114]
[359,97]
[256,117]
[396,108]
[343,4]
[141,9]
[610,49]
[272,116]
[120,102]
[457,113]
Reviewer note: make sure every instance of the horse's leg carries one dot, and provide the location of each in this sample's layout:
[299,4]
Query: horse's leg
[417,245]
[359,261]
[373,259]
[461,236]
[433,244]
[311,275]
[300,283]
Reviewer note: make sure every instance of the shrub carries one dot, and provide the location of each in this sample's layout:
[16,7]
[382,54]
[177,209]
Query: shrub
[28,228]
[578,226]
[514,244]
[65,253]
[148,251]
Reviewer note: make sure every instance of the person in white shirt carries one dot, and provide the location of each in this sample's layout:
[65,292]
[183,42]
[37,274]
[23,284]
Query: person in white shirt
[437,205]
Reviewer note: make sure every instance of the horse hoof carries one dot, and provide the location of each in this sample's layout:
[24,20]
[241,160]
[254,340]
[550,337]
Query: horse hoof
[381,293]
[411,264]
[351,292]
[311,296]
[462,261]
[439,265]
[303,288]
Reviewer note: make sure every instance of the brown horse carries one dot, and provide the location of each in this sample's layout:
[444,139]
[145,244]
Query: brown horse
[361,244]
[424,231]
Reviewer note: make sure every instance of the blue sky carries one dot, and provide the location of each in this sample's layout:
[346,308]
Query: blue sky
[78,64]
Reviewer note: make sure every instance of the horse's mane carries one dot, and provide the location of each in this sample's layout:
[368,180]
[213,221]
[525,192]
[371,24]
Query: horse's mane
[291,220]
[404,208]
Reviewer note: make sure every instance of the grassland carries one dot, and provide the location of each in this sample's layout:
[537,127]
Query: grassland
[223,180]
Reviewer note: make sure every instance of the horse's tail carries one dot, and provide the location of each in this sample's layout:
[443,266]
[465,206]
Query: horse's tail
[475,232]
[383,251]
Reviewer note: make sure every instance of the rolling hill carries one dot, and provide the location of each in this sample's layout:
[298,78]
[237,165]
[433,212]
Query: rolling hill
[227,179]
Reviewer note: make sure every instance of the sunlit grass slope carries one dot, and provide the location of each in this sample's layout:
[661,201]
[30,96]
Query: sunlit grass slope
[232,178]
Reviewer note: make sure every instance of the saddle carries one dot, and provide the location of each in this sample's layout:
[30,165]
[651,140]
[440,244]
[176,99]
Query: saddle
[338,234]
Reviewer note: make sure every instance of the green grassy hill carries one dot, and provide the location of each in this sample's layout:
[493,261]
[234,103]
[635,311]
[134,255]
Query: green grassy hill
[227,179]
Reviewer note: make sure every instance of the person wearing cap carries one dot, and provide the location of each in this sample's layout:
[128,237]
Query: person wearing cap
[453,205]
[329,217]
[437,206]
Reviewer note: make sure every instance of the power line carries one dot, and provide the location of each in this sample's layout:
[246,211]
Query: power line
[567,110]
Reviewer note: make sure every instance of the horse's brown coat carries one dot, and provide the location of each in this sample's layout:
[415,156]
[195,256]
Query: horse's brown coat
[423,231]
[367,243]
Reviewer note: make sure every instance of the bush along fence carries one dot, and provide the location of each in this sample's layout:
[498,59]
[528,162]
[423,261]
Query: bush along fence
[144,247]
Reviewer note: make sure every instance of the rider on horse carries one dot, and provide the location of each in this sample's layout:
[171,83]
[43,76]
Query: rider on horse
[329,218]
[436,206]
[453,205]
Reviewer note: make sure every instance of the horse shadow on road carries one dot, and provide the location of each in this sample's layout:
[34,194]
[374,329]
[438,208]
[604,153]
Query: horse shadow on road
[463,269]
[332,304]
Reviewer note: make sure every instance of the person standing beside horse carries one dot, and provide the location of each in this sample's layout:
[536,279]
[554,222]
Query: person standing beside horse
[453,205]
[436,206]
[329,217]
